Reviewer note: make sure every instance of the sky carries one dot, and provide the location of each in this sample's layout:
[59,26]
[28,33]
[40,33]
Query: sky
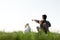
[14,14]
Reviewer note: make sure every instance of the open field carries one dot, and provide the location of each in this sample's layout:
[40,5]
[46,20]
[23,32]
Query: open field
[28,36]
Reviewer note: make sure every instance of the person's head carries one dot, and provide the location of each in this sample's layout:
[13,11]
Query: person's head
[44,16]
[26,25]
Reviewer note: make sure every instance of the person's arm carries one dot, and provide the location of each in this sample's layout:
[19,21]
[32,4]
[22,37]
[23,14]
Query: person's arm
[37,21]
[49,24]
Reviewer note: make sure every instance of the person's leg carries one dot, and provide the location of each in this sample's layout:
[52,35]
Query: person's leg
[45,31]
[37,28]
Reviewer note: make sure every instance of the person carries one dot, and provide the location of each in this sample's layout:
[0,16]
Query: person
[44,24]
[27,28]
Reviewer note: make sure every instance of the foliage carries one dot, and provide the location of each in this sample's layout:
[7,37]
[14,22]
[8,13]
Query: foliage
[29,36]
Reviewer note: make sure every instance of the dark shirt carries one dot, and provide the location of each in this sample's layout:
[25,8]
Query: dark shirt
[43,21]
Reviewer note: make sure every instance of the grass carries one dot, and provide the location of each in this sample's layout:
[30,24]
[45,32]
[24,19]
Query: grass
[28,36]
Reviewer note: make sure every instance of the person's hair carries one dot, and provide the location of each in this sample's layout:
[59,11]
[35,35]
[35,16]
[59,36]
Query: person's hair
[44,16]
[27,24]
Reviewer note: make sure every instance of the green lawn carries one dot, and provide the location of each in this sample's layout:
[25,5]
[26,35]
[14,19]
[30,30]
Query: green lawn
[28,36]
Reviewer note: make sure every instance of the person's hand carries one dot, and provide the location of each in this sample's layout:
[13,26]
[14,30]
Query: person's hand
[32,20]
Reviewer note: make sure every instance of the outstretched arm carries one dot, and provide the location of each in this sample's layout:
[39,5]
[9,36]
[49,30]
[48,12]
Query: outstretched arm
[37,21]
